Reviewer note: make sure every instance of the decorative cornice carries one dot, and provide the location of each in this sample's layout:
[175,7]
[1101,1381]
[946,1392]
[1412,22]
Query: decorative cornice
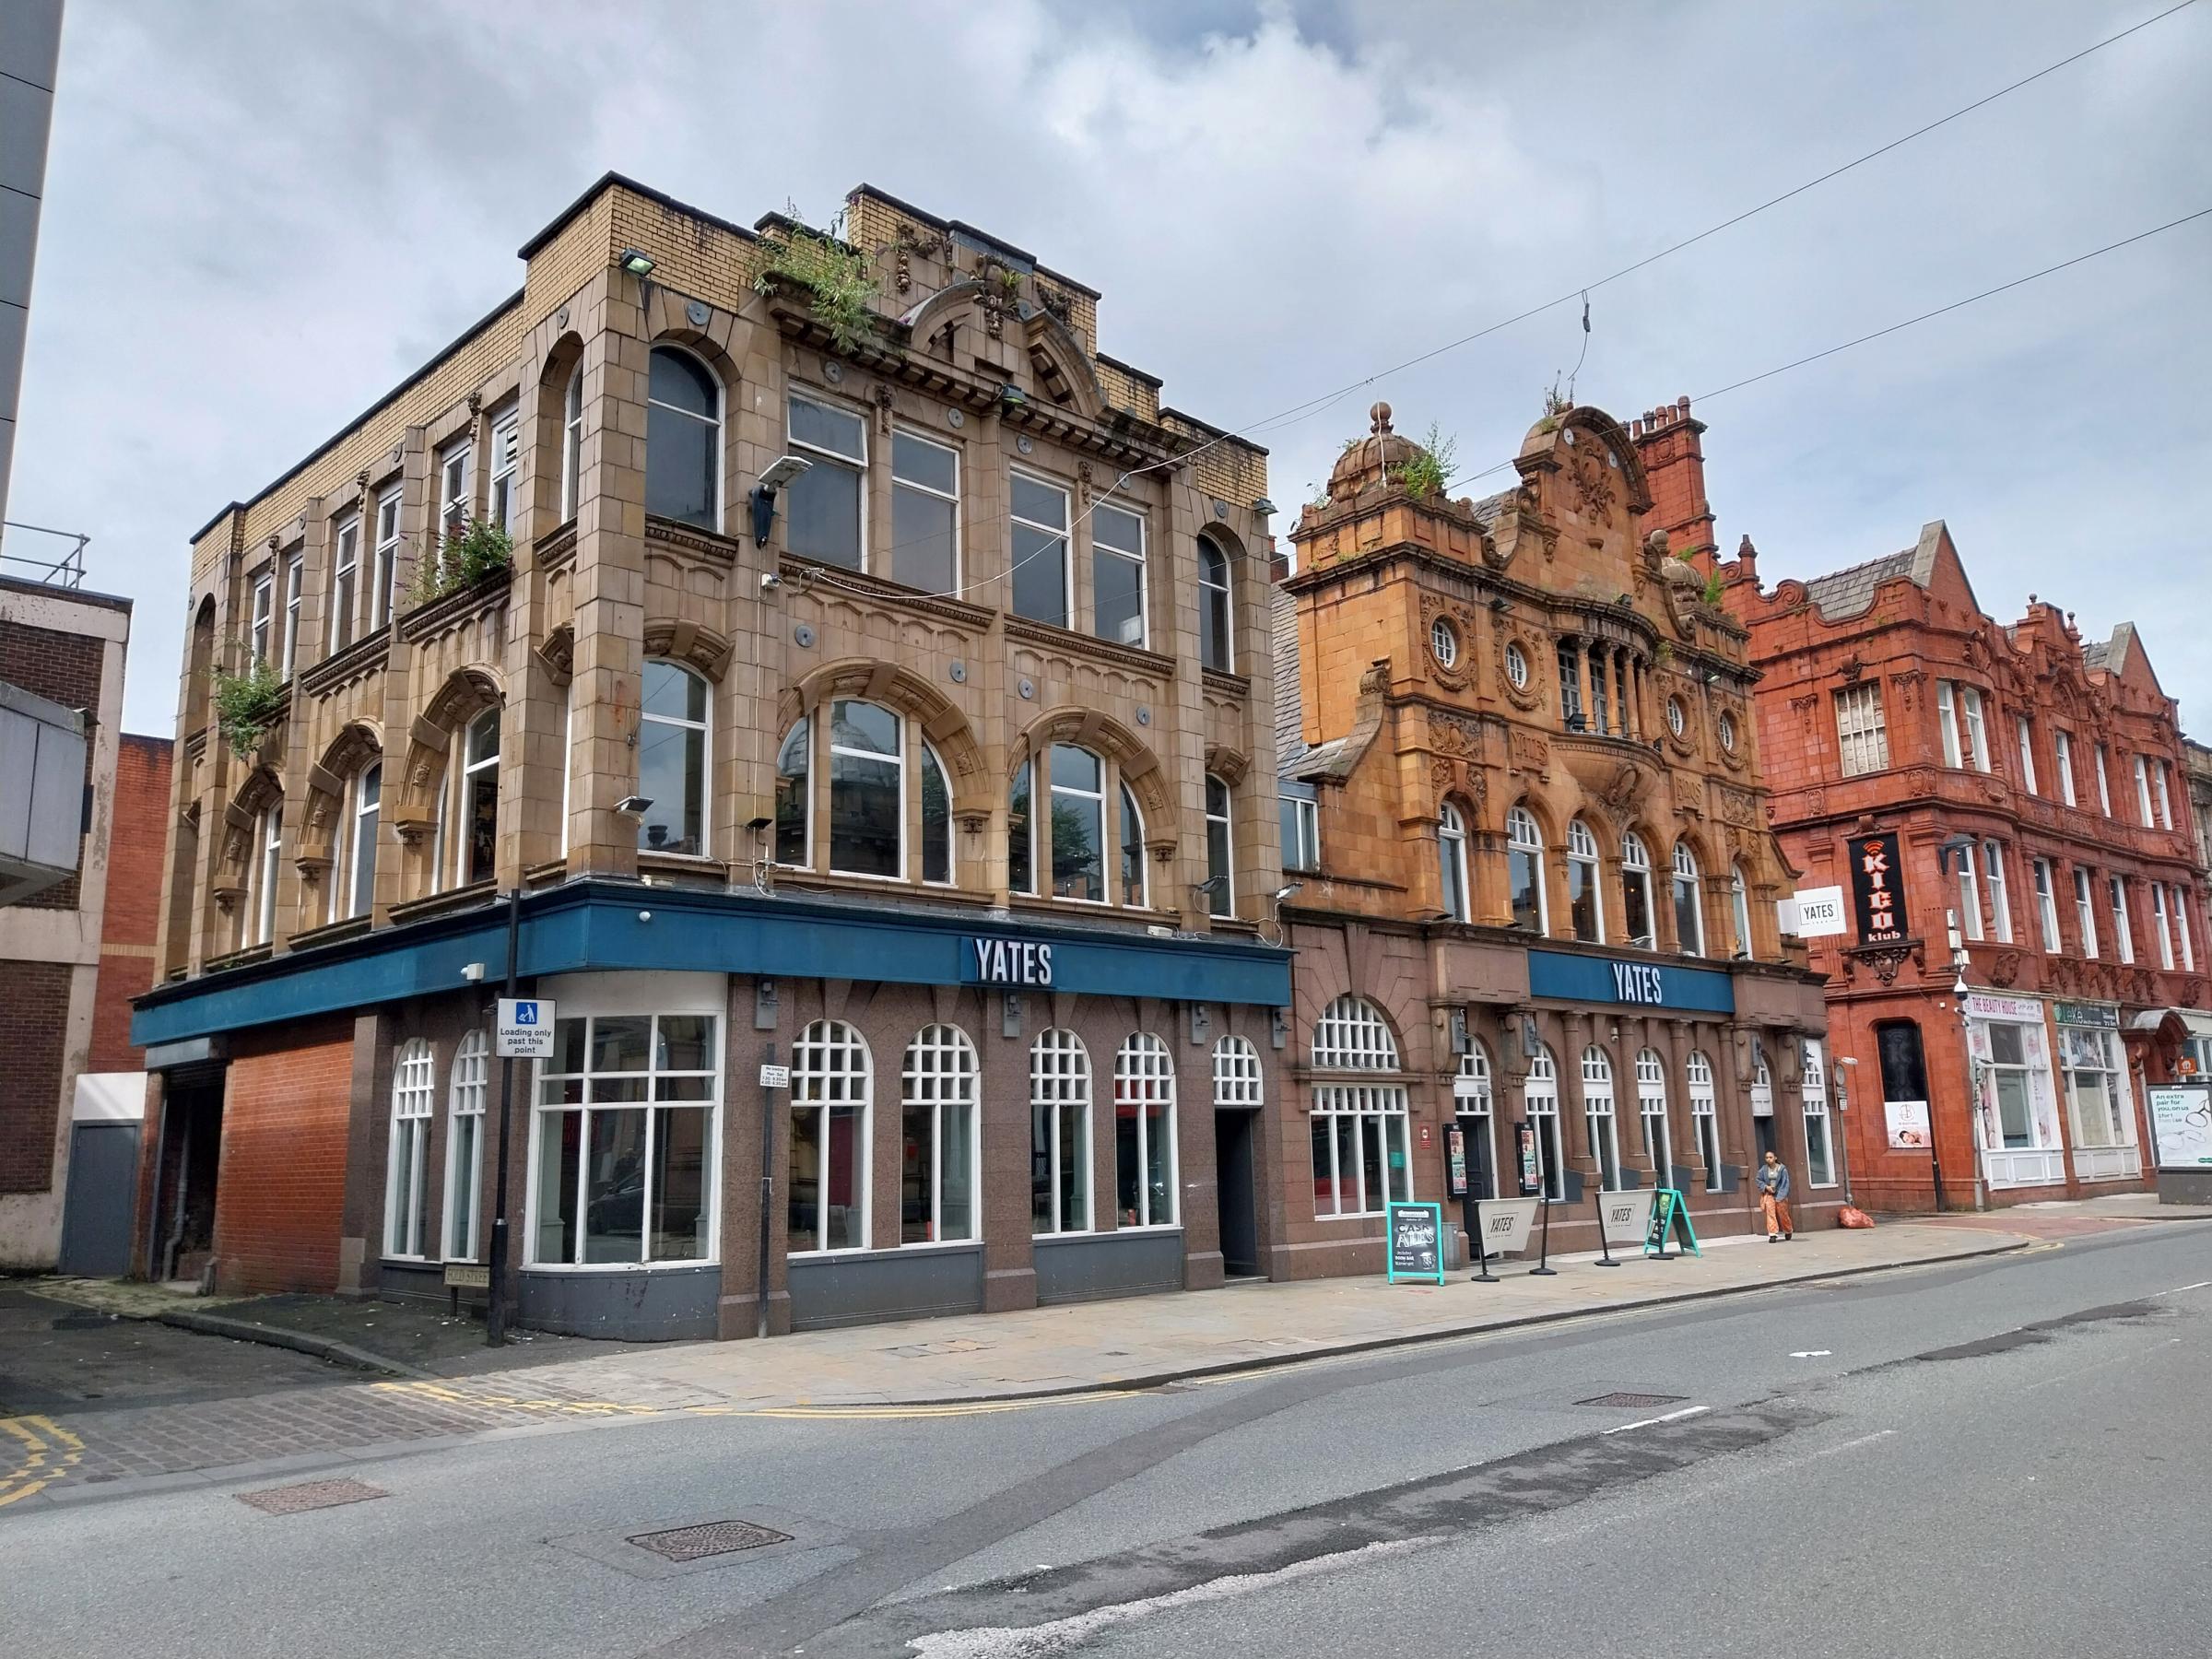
[359,660]
[1044,634]
[448,611]
[861,585]
[717,549]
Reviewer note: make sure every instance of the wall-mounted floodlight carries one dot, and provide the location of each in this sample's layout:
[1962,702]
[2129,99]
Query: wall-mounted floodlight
[779,472]
[637,264]
[1263,506]
[634,806]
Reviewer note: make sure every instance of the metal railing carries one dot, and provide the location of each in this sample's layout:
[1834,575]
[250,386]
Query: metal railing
[66,570]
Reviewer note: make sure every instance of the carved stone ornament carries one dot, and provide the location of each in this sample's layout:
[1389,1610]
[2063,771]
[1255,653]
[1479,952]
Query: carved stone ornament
[1853,669]
[1530,752]
[1456,734]
[2005,971]
[1885,960]
[1623,793]
[883,408]
[1440,775]
[1738,805]
[1592,488]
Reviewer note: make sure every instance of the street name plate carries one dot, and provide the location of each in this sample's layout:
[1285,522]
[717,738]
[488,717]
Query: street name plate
[467,1276]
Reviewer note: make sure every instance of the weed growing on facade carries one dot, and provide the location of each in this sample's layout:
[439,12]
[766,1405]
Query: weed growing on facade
[835,277]
[248,705]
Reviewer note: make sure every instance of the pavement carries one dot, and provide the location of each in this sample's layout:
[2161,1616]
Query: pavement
[100,1405]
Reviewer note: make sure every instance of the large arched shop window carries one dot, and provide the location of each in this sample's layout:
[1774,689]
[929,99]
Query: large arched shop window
[1585,908]
[1359,1129]
[943,1147]
[1540,1098]
[833,1095]
[1452,861]
[1059,1133]
[1690,911]
[683,439]
[408,1176]
[1636,891]
[672,760]
[1525,871]
[1598,1118]
[1144,1131]
[1703,1116]
[465,1146]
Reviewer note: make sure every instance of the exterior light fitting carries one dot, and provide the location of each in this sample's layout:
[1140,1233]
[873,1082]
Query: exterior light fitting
[1262,505]
[634,806]
[1012,395]
[636,262]
[779,473]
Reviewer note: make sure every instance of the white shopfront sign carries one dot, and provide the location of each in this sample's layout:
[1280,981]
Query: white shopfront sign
[1626,1216]
[2015,1096]
[2181,1125]
[1506,1223]
[1820,914]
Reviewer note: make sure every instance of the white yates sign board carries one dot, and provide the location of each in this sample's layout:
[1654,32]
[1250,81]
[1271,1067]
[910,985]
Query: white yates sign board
[2181,1127]
[1506,1223]
[1627,1215]
[1820,914]
[525,1028]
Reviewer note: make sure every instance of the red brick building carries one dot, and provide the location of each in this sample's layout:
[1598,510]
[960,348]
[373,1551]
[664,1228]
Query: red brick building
[1935,764]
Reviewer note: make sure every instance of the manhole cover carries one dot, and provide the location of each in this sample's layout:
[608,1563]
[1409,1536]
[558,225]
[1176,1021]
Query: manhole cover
[1634,1402]
[709,1538]
[310,1495]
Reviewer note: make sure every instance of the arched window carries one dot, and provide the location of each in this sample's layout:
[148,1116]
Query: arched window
[1636,892]
[571,444]
[1358,1130]
[794,798]
[1215,636]
[1689,910]
[1220,873]
[1697,1069]
[1134,888]
[465,1146]
[469,804]
[1452,862]
[672,760]
[1077,823]
[1237,1081]
[832,1092]
[683,439]
[1651,1102]
[1059,1133]
[1586,910]
[353,862]
[1540,1099]
[1351,1035]
[1740,910]
[943,1147]
[867,790]
[1597,1117]
[1819,1155]
[1144,1131]
[407,1179]
[345,583]
[1021,837]
[936,818]
[1762,1083]
[1525,871]
[1471,1099]
[260,899]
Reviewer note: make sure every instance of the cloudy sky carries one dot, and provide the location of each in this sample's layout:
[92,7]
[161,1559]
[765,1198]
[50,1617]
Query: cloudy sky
[261,217]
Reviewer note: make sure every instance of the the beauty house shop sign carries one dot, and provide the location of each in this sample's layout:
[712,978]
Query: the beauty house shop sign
[1877,888]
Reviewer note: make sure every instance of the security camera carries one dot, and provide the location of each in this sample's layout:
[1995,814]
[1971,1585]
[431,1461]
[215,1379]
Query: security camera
[644,915]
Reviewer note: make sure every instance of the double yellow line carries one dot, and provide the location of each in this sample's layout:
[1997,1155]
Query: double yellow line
[47,1452]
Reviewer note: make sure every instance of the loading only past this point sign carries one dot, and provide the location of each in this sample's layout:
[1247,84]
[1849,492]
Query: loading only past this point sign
[525,1028]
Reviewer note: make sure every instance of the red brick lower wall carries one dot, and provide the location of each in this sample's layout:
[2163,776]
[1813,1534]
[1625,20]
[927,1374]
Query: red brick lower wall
[34,1031]
[282,1188]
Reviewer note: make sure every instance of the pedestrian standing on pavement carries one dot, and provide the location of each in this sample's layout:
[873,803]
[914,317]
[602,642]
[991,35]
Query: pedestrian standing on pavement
[1774,1198]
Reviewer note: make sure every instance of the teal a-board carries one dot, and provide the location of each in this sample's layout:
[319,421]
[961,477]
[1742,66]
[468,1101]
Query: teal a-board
[1670,1214]
[1413,1237]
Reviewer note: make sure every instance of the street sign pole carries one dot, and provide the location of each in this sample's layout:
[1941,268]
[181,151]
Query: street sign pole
[768,1179]
[1482,1276]
[495,1312]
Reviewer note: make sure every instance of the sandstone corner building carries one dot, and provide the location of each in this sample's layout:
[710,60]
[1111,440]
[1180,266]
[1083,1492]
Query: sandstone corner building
[867,697]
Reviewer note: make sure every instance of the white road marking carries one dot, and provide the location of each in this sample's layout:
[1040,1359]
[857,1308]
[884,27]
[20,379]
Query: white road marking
[1811,1354]
[1672,1417]
[1058,1635]
[2200,1285]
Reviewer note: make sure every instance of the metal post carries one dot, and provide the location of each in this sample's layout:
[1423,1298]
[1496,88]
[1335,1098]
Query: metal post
[1604,1244]
[495,1311]
[1544,1269]
[768,1191]
[1483,1275]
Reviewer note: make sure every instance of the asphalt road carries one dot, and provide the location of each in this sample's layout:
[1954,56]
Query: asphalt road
[2003,1457]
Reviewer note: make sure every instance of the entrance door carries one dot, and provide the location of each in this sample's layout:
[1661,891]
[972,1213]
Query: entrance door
[1765,1127]
[1233,1133]
[95,1214]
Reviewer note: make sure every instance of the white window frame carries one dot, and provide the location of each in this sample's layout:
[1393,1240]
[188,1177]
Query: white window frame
[821,456]
[1131,854]
[1060,1087]
[927,758]
[1969,893]
[1740,910]
[2062,745]
[1042,866]
[2124,926]
[571,444]
[1237,1080]
[1977,731]
[2047,905]
[2027,734]
[940,1071]
[500,502]
[456,474]
[1472,1096]
[1220,595]
[1371,1109]
[1817,1121]
[466,1088]
[1598,1118]
[1524,836]
[1443,643]
[919,488]
[1704,1116]
[2165,795]
[818,1089]
[1651,1108]
[1686,873]
[1862,734]
[1222,901]
[1581,854]
[1540,1105]
[1302,851]
[901,871]
[345,582]
[1350,1034]
[2180,901]
[1062,532]
[706,759]
[462,766]
[1452,862]
[267,866]
[716,447]
[2143,790]
[386,562]
[293,564]
[2000,896]
[2085,910]
[1143,1077]
[1636,869]
[2118,1131]
[407,1174]
[1947,719]
[1517,667]
[346,899]
[262,629]
[1140,559]
[2158,922]
[2104,788]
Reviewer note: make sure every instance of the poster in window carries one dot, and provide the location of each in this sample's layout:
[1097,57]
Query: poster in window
[1877,888]
[1908,1124]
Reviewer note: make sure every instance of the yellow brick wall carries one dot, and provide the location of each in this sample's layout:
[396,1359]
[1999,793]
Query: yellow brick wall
[692,255]
[1127,391]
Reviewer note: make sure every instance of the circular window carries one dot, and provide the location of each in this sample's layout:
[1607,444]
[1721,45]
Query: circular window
[1676,722]
[1728,732]
[1516,665]
[1443,642]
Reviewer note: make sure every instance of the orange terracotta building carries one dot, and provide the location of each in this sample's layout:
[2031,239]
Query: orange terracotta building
[2025,788]
[1529,876]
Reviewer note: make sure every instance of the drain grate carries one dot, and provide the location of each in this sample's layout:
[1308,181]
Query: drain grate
[1634,1402]
[310,1495]
[708,1538]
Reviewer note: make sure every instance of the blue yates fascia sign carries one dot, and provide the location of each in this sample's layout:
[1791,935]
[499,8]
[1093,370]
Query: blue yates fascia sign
[1594,979]
[1023,962]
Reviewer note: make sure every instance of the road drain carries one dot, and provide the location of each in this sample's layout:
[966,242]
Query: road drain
[709,1538]
[1633,1401]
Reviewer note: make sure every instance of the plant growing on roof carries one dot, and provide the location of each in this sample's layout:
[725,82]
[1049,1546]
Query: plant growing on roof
[1429,468]
[835,277]
[248,705]
[481,550]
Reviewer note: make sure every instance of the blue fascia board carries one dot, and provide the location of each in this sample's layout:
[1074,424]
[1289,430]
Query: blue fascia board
[1631,981]
[598,927]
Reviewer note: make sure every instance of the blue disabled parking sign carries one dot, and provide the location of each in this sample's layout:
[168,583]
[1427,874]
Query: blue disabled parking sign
[525,1027]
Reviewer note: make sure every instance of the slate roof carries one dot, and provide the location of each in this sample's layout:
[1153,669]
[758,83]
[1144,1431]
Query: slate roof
[2096,654]
[1282,618]
[1848,591]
